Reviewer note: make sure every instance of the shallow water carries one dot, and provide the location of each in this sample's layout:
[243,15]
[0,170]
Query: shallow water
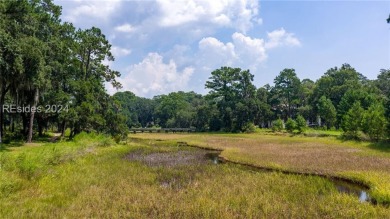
[352,189]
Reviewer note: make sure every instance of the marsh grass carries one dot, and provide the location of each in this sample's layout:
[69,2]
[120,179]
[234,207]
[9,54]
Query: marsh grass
[354,160]
[81,179]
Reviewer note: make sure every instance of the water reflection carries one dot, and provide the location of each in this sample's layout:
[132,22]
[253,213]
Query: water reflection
[352,189]
[214,157]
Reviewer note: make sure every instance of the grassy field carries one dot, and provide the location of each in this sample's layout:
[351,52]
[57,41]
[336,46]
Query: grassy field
[151,176]
[364,162]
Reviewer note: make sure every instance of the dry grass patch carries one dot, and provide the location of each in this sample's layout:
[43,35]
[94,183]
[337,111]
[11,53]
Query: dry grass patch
[327,156]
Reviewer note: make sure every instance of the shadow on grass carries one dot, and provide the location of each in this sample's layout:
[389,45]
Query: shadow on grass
[3,148]
[6,146]
[383,146]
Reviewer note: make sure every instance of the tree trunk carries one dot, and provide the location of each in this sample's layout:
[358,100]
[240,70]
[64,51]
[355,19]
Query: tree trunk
[40,127]
[63,128]
[31,125]
[4,90]
[12,127]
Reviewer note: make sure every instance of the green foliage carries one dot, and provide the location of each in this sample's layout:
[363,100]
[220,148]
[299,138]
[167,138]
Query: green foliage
[233,93]
[374,122]
[277,125]
[336,82]
[286,91]
[362,96]
[352,121]
[249,128]
[383,82]
[327,111]
[47,62]
[177,109]
[301,124]
[44,61]
[291,125]
[263,112]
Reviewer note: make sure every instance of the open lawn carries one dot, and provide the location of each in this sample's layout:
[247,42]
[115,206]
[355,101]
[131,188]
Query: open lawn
[152,177]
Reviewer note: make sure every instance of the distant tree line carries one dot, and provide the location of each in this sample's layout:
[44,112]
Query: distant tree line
[341,99]
[47,63]
[50,64]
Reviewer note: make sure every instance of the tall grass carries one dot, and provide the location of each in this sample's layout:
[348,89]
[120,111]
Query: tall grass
[83,179]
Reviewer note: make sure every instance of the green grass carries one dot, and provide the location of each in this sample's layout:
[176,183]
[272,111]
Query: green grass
[365,162]
[89,178]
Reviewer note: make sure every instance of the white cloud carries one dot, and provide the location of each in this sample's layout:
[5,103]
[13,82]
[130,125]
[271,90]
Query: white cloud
[96,9]
[186,33]
[243,51]
[118,51]
[251,50]
[214,52]
[152,76]
[232,13]
[281,38]
[125,28]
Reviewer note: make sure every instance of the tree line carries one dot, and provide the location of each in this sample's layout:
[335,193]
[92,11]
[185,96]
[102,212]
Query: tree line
[48,63]
[341,99]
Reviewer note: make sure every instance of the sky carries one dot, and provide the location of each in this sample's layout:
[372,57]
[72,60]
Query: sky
[162,46]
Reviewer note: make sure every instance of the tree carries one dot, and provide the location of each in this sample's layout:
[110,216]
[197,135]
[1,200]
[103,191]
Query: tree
[327,111]
[383,81]
[335,83]
[277,125]
[45,61]
[233,92]
[374,122]
[291,125]
[366,99]
[10,69]
[264,113]
[90,96]
[352,121]
[301,124]
[127,102]
[36,72]
[287,90]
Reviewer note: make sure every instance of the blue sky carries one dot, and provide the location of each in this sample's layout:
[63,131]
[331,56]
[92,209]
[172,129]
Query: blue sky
[168,45]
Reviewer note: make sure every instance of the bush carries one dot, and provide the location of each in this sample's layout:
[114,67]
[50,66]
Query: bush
[374,122]
[301,124]
[105,141]
[291,125]
[352,121]
[277,125]
[97,139]
[249,127]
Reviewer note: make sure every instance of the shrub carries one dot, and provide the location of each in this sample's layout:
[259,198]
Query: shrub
[277,125]
[301,124]
[352,121]
[105,142]
[249,127]
[291,125]
[374,122]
